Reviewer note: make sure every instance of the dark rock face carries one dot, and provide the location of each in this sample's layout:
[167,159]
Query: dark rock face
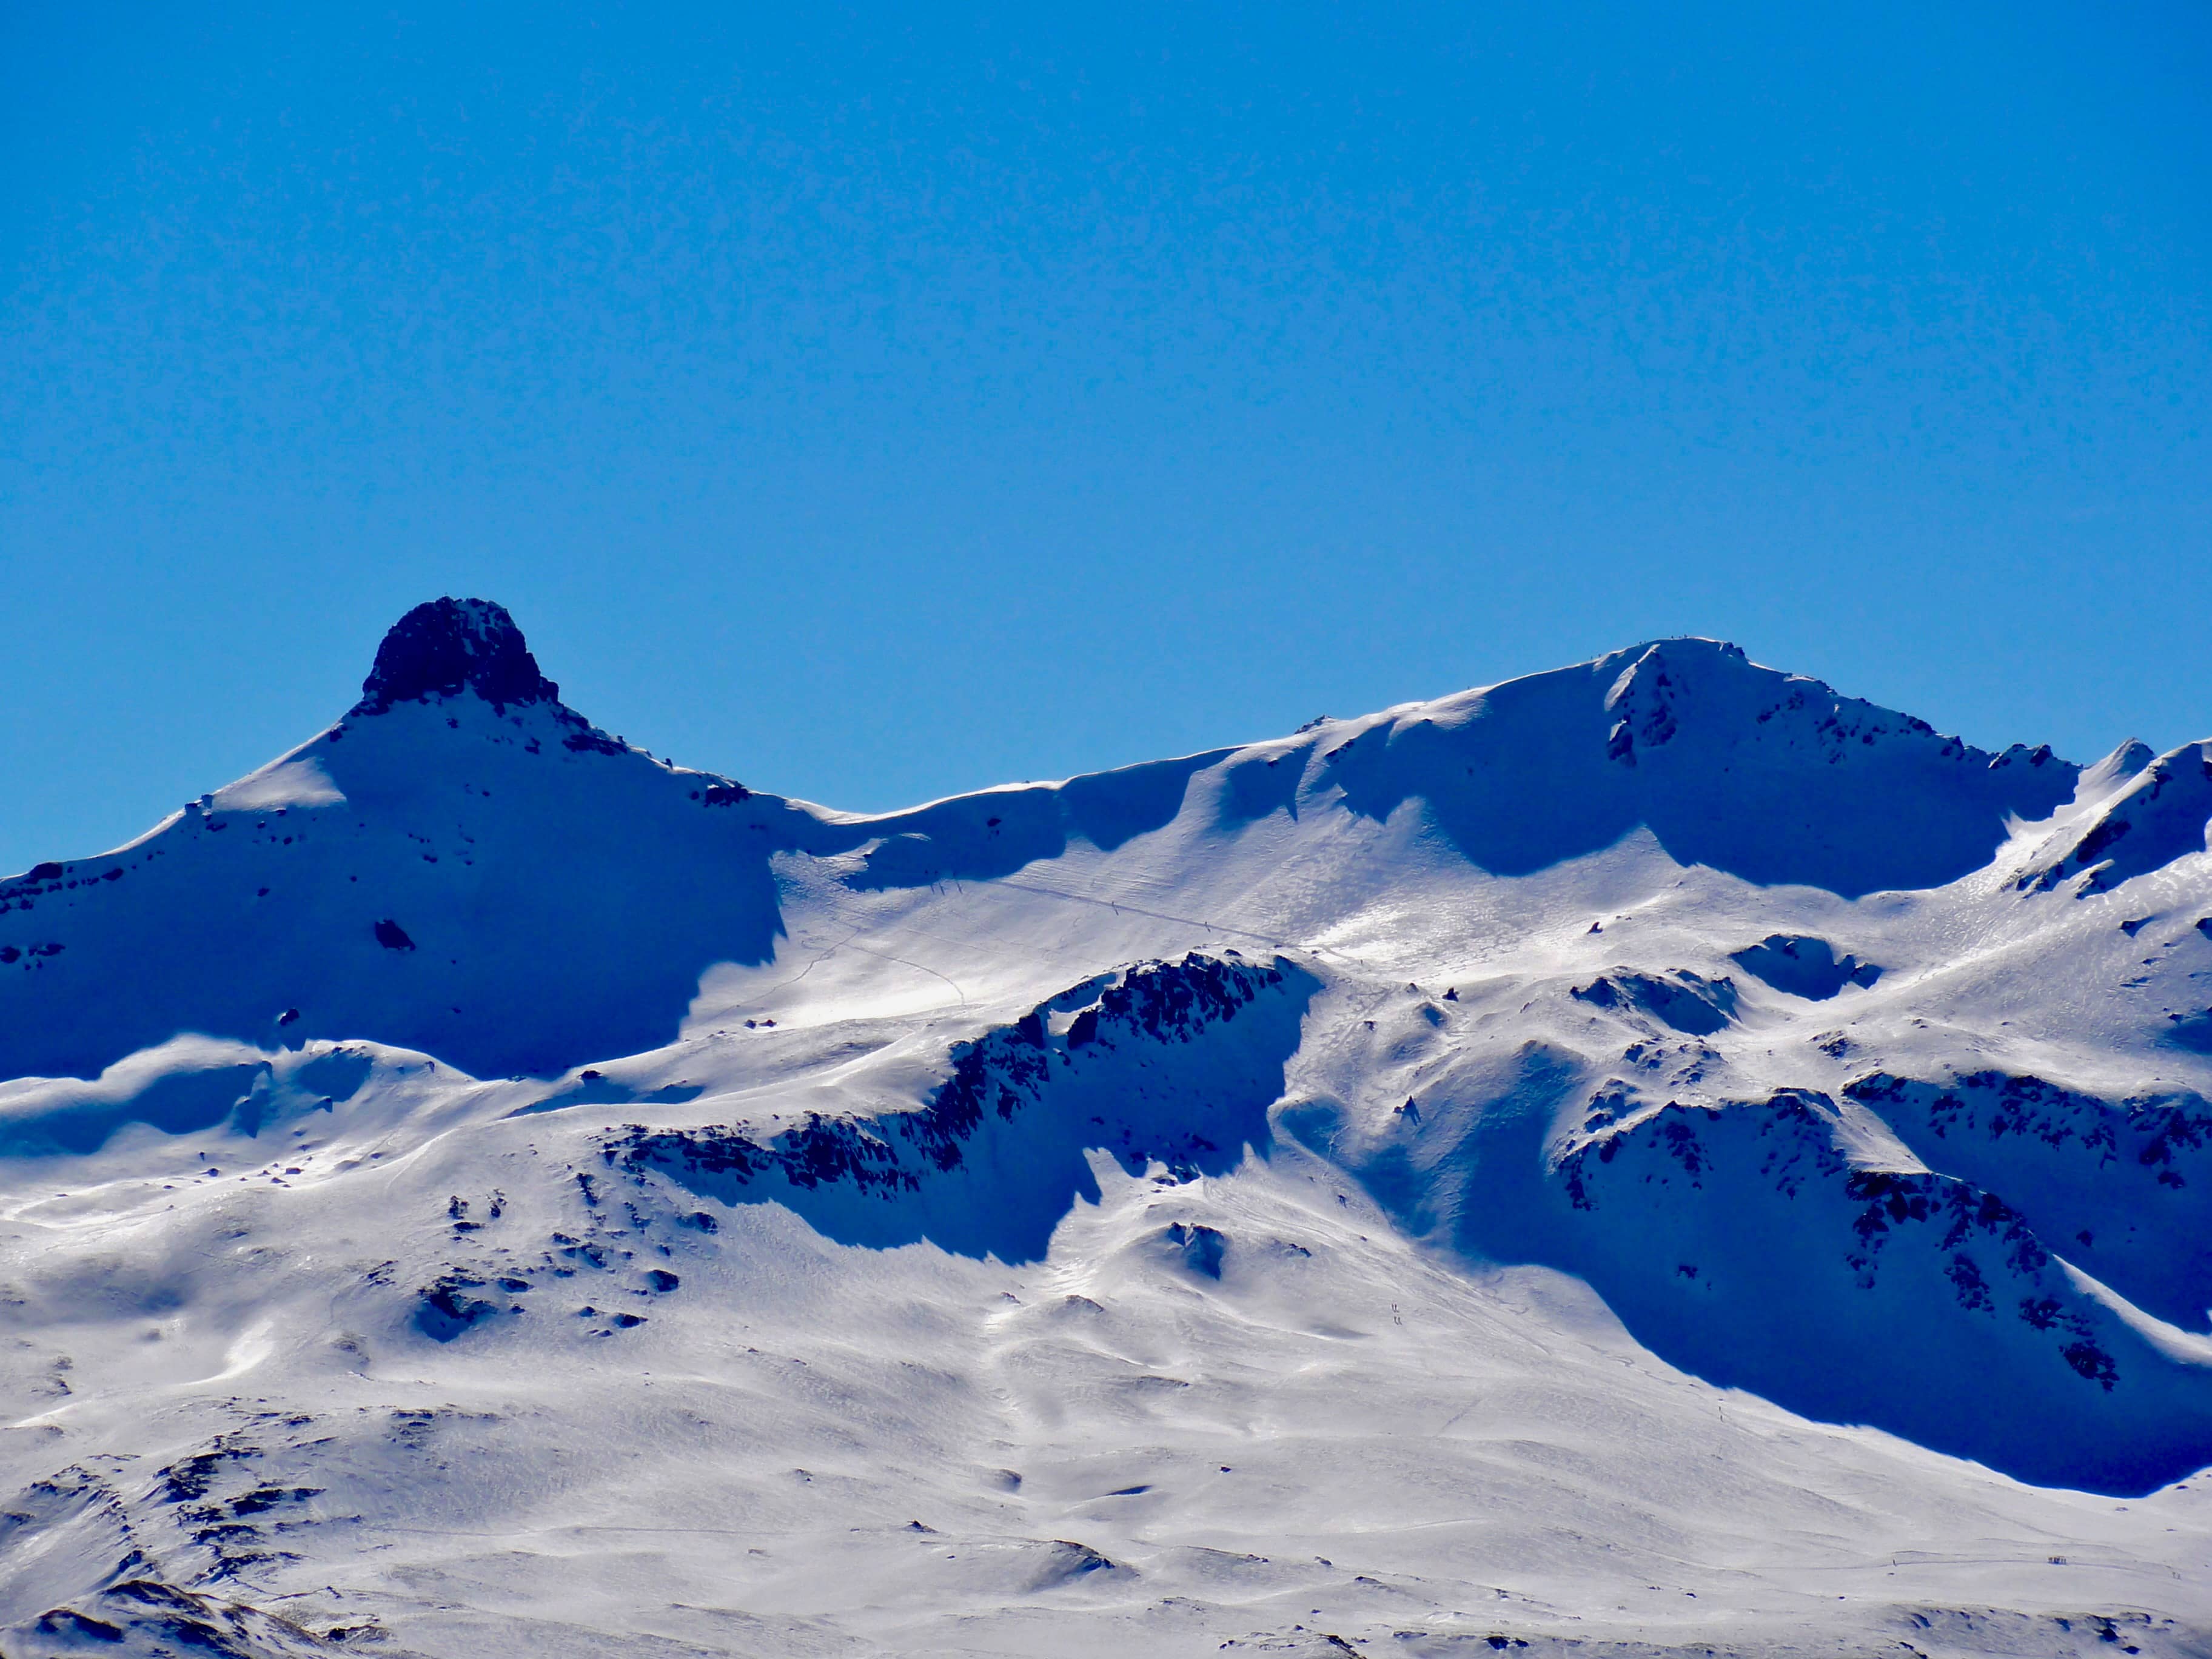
[2121,1186]
[445,1309]
[1689,1002]
[437,649]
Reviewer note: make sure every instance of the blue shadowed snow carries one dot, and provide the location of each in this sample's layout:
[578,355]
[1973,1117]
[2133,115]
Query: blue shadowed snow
[466,866]
[1489,976]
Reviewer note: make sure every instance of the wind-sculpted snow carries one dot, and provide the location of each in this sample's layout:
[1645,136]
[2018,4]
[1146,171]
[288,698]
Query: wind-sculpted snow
[186,1086]
[1654,1159]
[1169,1064]
[982,837]
[1807,968]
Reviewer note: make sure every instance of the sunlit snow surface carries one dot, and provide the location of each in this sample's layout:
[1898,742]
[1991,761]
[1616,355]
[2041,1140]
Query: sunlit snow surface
[1585,1163]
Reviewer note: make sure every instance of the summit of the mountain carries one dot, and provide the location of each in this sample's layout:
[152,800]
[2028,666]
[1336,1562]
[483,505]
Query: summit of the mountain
[446,646]
[1774,777]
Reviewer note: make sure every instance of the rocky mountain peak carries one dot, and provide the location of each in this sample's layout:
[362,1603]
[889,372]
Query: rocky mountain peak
[438,648]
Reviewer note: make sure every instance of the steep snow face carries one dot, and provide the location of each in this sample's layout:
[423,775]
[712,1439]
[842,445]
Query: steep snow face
[2152,814]
[1769,776]
[501,885]
[1656,1152]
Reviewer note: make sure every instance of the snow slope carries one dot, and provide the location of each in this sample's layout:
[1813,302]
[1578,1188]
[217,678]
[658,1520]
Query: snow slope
[1655,1157]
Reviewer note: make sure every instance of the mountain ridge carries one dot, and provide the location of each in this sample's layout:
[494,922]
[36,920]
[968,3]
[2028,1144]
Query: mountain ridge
[416,1139]
[1533,746]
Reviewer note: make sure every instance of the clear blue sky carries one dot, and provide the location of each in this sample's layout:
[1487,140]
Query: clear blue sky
[889,401]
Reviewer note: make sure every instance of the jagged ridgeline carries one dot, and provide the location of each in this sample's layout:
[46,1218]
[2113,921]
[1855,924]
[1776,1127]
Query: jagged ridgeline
[470,1121]
[1173,1064]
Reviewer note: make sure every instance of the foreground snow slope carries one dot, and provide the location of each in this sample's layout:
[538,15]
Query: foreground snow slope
[1655,1154]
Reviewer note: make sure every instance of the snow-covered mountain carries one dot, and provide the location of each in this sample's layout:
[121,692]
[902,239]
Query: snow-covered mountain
[1655,1157]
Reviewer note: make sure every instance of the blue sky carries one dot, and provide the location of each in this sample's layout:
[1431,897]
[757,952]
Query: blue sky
[890,401]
